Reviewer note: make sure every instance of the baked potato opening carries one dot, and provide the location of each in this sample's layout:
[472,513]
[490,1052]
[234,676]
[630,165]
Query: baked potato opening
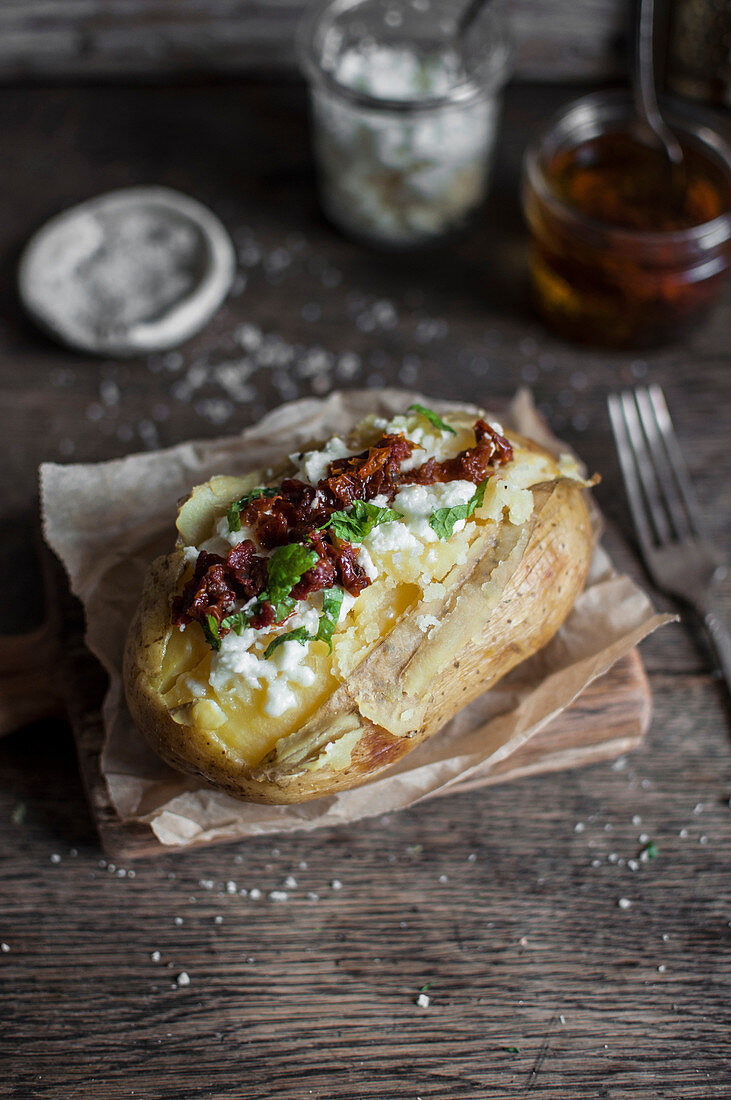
[269,717]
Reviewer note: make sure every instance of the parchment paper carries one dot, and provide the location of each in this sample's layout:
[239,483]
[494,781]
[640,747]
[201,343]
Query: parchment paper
[107,521]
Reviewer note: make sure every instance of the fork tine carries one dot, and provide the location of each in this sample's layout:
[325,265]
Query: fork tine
[672,499]
[645,468]
[629,473]
[675,456]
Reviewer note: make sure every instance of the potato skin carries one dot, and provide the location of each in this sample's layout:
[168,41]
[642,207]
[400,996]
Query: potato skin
[507,604]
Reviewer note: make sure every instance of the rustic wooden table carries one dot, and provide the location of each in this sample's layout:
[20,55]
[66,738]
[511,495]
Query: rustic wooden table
[503,902]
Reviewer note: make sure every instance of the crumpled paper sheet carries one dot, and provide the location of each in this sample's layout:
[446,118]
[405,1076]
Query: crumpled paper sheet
[106,522]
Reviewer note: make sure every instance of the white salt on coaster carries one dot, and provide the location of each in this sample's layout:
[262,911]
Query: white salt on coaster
[133,271]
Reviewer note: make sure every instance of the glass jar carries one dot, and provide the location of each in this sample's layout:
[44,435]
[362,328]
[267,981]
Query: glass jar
[404,114]
[598,279]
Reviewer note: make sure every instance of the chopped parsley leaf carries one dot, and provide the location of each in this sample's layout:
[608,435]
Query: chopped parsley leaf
[432,417]
[284,568]
[353,526]
[301,634]
[210,629]
[236,621]
[332,603]
[443,520]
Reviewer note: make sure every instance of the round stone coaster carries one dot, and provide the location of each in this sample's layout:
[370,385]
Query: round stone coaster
[129,272]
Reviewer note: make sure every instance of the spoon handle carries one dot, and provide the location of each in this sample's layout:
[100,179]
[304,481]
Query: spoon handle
[644,83]
[469,16]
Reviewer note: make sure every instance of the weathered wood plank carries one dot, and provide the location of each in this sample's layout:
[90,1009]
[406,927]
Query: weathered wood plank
[162,39]
[505,898]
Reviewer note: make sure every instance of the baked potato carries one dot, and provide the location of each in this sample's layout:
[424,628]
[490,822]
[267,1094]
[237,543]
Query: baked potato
[318,621]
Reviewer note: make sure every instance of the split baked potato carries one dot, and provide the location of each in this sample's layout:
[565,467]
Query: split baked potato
[317,622]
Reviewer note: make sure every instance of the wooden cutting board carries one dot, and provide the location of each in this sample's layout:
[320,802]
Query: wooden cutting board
[50,672]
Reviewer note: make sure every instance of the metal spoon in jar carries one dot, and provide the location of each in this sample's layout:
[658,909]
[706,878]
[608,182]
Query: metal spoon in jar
[651,128]
[469,17]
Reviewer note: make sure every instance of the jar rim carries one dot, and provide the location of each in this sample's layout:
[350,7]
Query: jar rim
[490,75]
[700,126]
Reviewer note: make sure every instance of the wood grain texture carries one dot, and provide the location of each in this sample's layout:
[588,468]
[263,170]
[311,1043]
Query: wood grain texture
[191,39]
[505,898]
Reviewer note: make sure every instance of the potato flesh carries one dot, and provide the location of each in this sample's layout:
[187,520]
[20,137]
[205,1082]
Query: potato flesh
[237,717]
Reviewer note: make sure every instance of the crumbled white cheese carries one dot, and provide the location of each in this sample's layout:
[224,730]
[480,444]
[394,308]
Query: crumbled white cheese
[425,621]
[415,501]
[233,538]
[312,465]
[365,559]
[389,537]
[346,606]
[234,661]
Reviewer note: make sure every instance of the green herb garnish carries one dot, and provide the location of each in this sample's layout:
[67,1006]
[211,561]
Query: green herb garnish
[237,621]
[512,1050]
[210,629]
[432,418]
[328,621]
[301,635]
[650,850]
[353,526]
[443,520]
[330,614]
[233,515]
[425,988]
[284,568]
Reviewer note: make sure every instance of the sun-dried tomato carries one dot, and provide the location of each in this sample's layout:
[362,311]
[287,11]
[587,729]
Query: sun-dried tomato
[474,464]
[218,582]
[369,474]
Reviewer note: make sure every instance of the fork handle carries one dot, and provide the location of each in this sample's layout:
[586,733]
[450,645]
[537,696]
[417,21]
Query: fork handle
[718,634]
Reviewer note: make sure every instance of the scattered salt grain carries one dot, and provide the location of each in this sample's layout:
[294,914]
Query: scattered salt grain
[290,882]
[661,968]
[178,921]
[255,894]
[624,903]
[683,834]
[702,839]
[632,864]
[155,956]
[579,827]
[55,858]
[231,887]
[643,838]
[336,884]
[218,919]
[278,895]
[183,978]
[443,879]
[4,947]
[423,1000]
[698,808]
[636,820]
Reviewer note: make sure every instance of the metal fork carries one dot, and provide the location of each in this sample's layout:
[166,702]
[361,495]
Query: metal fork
[665,512]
